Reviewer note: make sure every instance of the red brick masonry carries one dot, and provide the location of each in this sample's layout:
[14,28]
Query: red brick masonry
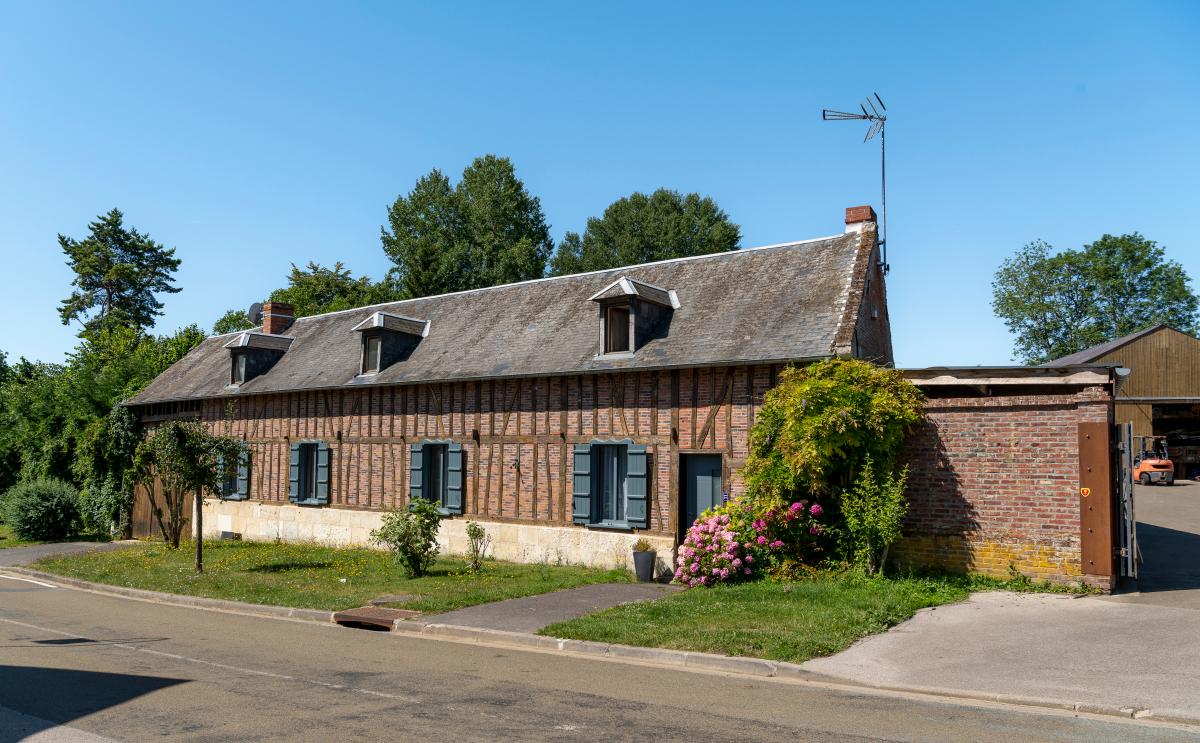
[993,482]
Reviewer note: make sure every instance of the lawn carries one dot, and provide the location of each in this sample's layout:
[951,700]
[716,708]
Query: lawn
[316,577]
[787,621]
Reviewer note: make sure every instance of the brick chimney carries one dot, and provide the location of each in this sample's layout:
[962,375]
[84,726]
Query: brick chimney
[277,317]
[857,216]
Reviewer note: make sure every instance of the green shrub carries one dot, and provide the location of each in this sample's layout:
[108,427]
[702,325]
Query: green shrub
[873,512]
[42,510]
[105,508]
[411,536]
[478,541]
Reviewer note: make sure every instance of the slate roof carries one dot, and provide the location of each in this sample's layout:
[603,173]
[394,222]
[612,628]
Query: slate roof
[776,303]
[1095,352]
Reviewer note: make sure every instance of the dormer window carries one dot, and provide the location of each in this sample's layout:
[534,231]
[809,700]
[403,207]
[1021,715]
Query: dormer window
[239,368]
[616,329]
[388,338]
[632,313]
[252,353]
[371,349]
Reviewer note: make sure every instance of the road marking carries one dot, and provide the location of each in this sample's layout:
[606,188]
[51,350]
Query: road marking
[29,580]
[222,666]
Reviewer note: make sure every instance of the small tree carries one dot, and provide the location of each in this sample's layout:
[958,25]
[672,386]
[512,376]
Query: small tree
[184,458]
[411,535]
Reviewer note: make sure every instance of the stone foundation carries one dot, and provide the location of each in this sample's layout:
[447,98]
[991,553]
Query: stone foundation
[516,542]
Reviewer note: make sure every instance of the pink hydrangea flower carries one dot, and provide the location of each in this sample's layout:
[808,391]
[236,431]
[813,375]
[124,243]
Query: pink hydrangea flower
[737,563]
[762,539]
[777,544]
[749,559]
[816,509]
[695,567]
[747,571]
[814,530]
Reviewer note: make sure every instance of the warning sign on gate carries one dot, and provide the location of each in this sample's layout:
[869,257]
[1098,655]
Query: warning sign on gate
[1085,492]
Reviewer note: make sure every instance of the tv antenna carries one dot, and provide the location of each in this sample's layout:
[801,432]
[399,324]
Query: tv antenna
[878,119]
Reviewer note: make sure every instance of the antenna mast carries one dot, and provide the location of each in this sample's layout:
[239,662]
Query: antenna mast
[878,119]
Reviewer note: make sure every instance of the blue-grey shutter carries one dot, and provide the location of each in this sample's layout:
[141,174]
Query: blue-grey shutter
[322,474]
[454,478]
[294,474]
[636,488]
[582,484]
[243,474]
[416,461]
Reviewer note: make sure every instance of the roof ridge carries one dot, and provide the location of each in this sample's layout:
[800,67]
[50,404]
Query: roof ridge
[738,251]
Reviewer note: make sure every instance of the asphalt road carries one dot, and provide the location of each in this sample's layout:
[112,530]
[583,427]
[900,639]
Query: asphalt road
[135,671]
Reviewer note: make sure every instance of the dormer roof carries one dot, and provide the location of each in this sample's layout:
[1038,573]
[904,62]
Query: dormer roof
[627,287]
[254,339]
[395,323]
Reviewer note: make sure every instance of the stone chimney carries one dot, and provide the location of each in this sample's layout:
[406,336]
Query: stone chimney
[857,216]
[278,317]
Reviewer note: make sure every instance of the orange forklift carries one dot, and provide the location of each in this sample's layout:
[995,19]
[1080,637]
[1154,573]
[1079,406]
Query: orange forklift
[1151,464]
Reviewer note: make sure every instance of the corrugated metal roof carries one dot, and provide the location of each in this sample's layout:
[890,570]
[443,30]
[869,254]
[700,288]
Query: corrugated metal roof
[776,303]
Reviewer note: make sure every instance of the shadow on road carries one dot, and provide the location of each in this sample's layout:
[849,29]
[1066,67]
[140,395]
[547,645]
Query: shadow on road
[1171,559]
[59,695]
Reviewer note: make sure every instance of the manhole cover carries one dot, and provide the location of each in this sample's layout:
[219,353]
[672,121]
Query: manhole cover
[371,617]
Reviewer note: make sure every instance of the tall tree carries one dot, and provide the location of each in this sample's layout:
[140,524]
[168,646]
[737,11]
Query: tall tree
[118,273]
[507,233]
[487,230]
[316,289]
[428,239]
[1058,303]
[641,229]
[232,321]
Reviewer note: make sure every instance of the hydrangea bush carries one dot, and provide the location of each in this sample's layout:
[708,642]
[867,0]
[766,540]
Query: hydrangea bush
[739,540]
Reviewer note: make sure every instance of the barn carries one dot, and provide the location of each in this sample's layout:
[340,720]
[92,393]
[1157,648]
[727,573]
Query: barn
[1161,394]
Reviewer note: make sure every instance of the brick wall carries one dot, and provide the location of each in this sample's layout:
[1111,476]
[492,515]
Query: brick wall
[993,481]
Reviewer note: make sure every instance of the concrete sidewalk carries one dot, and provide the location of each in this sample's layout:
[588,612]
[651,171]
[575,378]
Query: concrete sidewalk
[1073,651]
[531,613]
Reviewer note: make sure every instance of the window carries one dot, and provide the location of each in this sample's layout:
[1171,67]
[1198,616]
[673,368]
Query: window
[371,353]
[616,329]
[235,478]
[609,480]
[435,474]
[610,484]
[239,368]
[308,473]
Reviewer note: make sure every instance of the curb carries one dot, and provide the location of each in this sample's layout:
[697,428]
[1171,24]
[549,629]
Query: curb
[659,656]
[175,599]
[682,659]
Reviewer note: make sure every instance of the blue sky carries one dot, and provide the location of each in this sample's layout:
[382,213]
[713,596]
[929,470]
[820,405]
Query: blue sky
[252,135]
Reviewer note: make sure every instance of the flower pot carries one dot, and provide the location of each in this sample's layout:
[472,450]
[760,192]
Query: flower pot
[643,566]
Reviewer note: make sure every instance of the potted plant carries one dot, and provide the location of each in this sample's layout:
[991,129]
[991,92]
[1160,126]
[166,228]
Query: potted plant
[643,560]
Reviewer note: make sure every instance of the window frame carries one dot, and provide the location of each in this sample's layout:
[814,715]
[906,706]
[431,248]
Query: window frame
[240,368]
[369,340]
[624,309]
[604,513]
[429,451]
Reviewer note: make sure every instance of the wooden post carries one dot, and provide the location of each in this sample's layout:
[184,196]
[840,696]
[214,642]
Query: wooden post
[199,531]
